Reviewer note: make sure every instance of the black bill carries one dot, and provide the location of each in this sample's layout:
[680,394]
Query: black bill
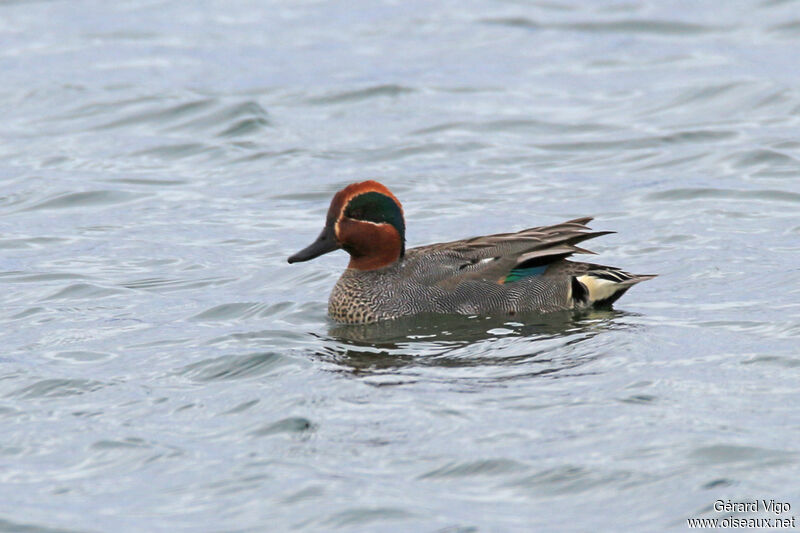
[326,242]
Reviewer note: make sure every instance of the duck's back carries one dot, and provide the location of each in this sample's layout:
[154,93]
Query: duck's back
[428,283]
[465,277]
[496,274]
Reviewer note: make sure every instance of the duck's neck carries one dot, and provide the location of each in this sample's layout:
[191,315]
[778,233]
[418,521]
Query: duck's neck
[371,246]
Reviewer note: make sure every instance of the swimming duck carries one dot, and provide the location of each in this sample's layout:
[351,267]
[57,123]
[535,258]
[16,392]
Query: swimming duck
[501,274]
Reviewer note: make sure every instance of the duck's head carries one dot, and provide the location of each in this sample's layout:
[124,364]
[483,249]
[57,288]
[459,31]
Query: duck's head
[366,220]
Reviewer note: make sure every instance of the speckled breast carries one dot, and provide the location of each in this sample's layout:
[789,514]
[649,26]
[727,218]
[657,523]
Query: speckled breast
[363,297]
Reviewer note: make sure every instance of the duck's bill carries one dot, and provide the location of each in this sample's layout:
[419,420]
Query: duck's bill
[326,242]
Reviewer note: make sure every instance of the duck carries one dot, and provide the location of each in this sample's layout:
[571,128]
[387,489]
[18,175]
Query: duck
[493,275]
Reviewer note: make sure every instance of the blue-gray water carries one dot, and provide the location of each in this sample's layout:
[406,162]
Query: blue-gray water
[163,368]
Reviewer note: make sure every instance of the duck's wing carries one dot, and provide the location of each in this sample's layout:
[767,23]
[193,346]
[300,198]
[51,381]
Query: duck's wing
[504,257]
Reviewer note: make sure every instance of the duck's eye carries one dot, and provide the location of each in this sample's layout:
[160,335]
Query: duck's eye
[370,213]
[376,208]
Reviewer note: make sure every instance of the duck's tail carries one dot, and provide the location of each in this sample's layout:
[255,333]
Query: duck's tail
[602,286]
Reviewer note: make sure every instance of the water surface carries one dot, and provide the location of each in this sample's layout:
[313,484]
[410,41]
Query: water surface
[164,369]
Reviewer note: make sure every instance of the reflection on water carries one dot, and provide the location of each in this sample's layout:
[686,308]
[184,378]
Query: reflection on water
[456,341]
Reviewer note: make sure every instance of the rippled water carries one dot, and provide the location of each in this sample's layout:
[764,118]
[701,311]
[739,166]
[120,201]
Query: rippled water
[164,369]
